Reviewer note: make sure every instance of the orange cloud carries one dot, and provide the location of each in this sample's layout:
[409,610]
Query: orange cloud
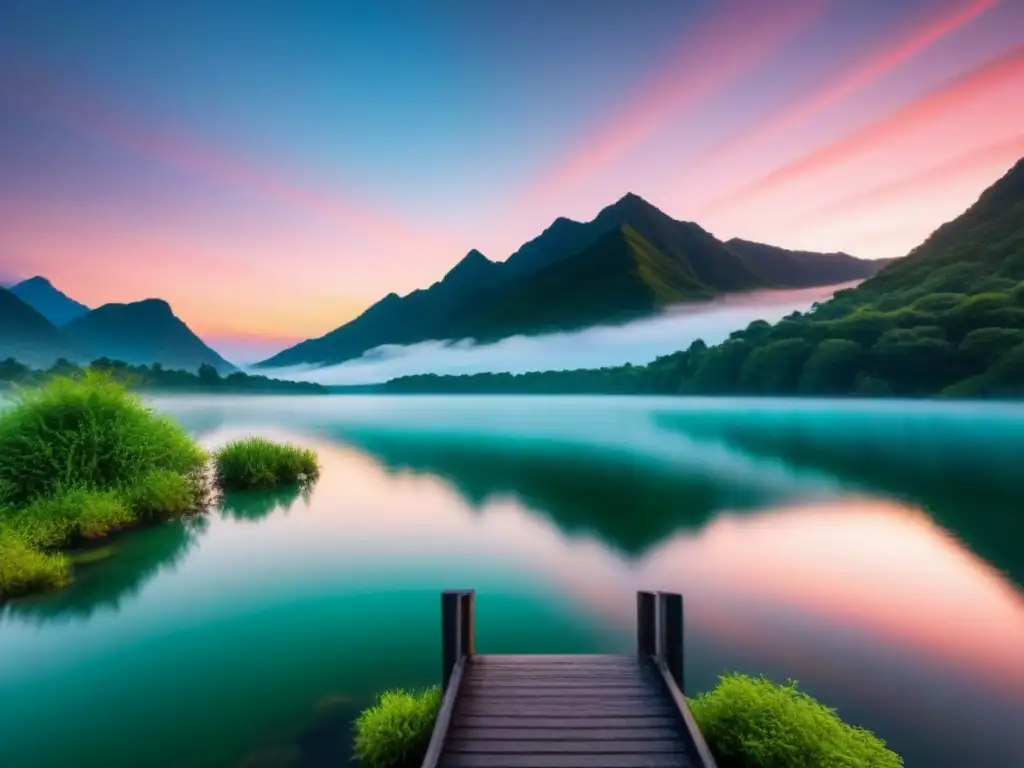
[916,40]
[1008,151]
[730,43]
[916,114]
[44,96]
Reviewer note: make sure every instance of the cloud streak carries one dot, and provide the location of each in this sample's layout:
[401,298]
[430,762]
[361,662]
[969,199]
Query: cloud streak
[1007,152]
[863,73]
[638,342]
[918,113]
[732,42]
[44,96]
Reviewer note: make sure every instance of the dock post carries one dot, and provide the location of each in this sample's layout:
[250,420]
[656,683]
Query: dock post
[646,624]
[670,620]
[457,629]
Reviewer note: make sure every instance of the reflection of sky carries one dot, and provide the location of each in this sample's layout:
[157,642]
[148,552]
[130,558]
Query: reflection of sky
[867,602]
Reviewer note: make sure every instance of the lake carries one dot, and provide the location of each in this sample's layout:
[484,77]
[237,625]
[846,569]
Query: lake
[873,551]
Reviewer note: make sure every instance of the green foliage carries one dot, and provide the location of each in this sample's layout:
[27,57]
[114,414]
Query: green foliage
[81,458]
[750,722]
[69,517]
[86,434]
[395,731]
[255,462]
[156,378]
[832,368]
[161,493]
[25,569]
[774,369]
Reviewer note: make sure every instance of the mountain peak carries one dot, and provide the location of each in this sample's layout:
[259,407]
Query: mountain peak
[40,294]
[37,281]
[472,266]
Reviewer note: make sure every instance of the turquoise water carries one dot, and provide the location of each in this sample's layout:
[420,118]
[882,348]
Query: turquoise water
[873,551]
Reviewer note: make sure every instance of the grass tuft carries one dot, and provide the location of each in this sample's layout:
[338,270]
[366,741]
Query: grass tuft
[258,463]
[750,722]
[87,433]
[70,517]
[24,569]
[162,494]
[395,731]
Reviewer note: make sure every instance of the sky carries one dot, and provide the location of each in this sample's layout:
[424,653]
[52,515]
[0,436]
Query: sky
[271,169]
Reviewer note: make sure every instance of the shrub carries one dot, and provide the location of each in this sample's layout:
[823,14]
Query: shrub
[752,723]
[69,517]
[86,434]
[161,494]
[395,732]
[24,569]
[255,462]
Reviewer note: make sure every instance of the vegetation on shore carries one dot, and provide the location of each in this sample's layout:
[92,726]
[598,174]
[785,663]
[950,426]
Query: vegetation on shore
[395,731]
[258,463]
[81,458]
[155,378]
[748,722]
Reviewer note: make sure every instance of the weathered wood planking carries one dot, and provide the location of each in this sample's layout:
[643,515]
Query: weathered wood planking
[548,711]
[565,711]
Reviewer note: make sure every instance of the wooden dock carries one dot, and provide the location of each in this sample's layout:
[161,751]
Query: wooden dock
[583,711]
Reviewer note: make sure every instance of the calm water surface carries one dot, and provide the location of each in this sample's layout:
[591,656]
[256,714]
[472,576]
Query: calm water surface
[872,551]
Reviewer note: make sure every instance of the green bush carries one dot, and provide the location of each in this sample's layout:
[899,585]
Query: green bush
[24,569]
[86,434]
[69,517]
[162,493]
[750,722]
[395,732]
[255,462]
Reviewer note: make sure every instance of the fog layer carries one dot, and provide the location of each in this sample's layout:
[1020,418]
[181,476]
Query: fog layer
[637,342]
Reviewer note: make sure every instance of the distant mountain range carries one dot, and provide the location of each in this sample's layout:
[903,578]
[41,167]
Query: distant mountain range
[630,261]
[55,306]
[39,324]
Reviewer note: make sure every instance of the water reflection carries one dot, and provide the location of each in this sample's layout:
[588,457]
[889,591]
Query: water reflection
[965,475]
[874,608]
[131,560]
[254,506]
[262,643]
[628,502]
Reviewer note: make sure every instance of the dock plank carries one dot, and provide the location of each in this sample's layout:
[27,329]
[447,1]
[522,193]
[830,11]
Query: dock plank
[464,760]
[572,747]
[546,711]
[635,730]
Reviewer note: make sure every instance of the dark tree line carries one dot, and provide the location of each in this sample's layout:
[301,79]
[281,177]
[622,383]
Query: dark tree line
[156,378]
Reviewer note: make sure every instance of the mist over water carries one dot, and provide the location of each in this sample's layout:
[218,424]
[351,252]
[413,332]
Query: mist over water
[638,342]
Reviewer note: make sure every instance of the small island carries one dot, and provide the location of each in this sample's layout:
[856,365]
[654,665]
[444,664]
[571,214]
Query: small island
[82,458]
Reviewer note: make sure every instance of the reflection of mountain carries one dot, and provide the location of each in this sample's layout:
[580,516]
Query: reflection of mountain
[137,557]
[256,505]
[969,480]
[629,502]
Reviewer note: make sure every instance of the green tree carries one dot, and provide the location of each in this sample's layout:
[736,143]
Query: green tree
[832,368]
[774,369]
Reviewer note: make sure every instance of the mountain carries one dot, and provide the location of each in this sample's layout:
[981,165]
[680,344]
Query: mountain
[568,277]
[143,333]
[55,306]
[946,320]
[619,276]
[29,337]
[803,269]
